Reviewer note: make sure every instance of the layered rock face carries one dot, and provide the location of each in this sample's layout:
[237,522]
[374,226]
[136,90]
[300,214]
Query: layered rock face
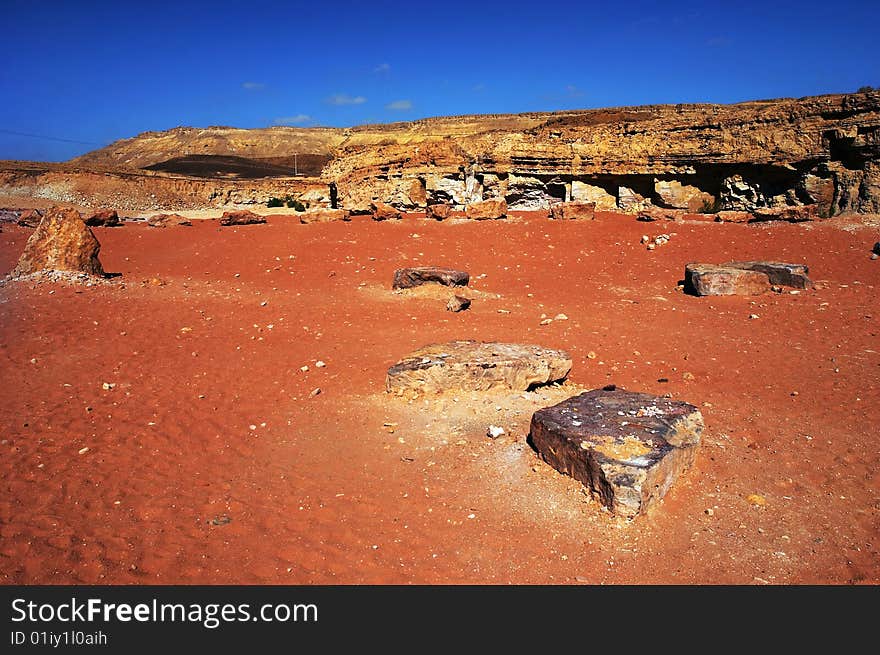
[822,151]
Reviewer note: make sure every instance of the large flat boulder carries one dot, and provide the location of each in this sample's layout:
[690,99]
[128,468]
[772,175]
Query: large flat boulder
[487,210]
[242,217]
[324,216]
[477,366]
[628,448]
[780,273]
[572,211]
[407,278]
[714,280]
[61,242]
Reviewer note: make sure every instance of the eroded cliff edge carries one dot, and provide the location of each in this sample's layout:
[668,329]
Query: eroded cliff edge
[822,151]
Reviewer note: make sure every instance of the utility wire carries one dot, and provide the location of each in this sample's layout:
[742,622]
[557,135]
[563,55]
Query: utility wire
[50,138]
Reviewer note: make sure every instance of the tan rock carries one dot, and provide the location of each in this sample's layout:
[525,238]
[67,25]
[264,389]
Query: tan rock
[476,366]
[676,195]
[487,210]
[324,216]
[713,280]
[103,218]
[383,212]
[61,242]
[241,217]
[585,211]
[438,212]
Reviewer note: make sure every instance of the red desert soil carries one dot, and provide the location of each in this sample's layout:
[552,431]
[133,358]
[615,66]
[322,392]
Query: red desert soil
[209,461]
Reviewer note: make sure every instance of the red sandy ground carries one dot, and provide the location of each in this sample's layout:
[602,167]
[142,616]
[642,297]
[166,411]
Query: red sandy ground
[176,487]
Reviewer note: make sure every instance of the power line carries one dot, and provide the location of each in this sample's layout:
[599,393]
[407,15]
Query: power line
[50,138]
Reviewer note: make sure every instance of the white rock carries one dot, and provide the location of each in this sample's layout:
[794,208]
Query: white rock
[494,431]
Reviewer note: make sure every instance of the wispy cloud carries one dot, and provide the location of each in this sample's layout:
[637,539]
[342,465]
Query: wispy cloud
[399,105]
[253,86]
[293,120]
[345,99]
[478,88]
[572,91]
[382,68]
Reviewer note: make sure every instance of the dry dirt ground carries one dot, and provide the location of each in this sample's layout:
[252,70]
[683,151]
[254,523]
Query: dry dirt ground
[212,460]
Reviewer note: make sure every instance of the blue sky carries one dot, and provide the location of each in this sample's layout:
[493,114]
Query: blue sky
[75,76]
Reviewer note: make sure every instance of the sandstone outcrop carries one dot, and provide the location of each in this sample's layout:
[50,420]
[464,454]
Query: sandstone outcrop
[476,366]
[573,211]
[458,303]
[487,210]
[61,242]
[103,218]
[242,217]
[628,448]
[407,278]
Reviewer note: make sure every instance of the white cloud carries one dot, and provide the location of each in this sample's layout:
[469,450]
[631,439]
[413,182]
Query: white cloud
[345,99]
[573,91]
[253,86]
[399,105]
[382,68]
[293,120]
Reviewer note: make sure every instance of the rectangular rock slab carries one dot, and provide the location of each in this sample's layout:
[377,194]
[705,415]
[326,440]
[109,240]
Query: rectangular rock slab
[781,273]
[713,280]
[476,366]
[407,278]
[628,448]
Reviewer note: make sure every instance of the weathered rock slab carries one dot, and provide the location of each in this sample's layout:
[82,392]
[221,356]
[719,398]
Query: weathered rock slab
[383,212]
[243,217]
[407,278]
[714,280]
[164,220]
[324,216]
[781,273]
[103,218]
[61,242]
[795,214]
[487,210]
[439,211]
[565,211]
[477,366]
[628,448]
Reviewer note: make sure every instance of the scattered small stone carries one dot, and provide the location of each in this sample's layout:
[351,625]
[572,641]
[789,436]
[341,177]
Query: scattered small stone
[687,375]
[547,321]
[753,316]
[592,355]
[107,386]
[252,427]
[407,278]
[314,392]
[320,364]
[560,317]
[34,360]
[494,431]
[223,519]
[83,451]
[757,500]
[710,511]
[304,369]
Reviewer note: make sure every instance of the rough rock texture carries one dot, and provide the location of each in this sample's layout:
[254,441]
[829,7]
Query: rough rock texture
[324,215]
[458,303]
[438,212]
[407,278]
[164,220]
[822,150]
[103,218]
[61,242]
[675,195]
[790,214]
[731,216]
[779,273]
[242,217]
[476,366]
[383,212]
[30,218]
[486,210]
[585,211]
[713,280]
[628,448]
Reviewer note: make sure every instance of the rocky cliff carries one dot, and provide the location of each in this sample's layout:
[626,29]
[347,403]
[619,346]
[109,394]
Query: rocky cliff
[822,150]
